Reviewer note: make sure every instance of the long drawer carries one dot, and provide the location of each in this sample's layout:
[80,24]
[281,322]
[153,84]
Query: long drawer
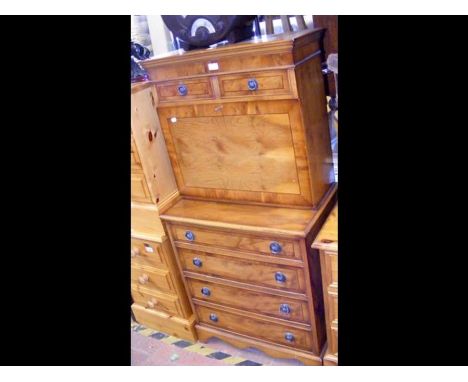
[267,246]
[147,253]
[254,272]
[154,300]
[151,278]
[268,304]
[265,83]
[184,90]
[281,334]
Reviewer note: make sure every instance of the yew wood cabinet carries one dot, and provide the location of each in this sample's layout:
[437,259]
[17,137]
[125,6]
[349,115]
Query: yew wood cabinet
[246,131]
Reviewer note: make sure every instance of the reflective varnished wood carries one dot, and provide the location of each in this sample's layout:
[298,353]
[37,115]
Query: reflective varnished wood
[327,243]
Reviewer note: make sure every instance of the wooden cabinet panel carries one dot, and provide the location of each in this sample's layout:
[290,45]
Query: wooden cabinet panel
[262,303]
[147,253]
[327,243]
[151,278]
[270,275]
[254,327]
[235,241]
[237,152]
[261,84]
[251,151]
[140,192]
[184,90]
[154,300]
[173,325]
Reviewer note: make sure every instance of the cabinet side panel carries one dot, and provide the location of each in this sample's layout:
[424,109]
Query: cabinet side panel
[151,146]
[310,85]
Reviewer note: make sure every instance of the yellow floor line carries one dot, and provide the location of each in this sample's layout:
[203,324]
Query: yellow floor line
[197,348]
[169,340]
[146,332]
[233,360]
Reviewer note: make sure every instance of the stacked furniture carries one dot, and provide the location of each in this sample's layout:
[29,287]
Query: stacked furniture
[246,130]
[327,243]
[160,300]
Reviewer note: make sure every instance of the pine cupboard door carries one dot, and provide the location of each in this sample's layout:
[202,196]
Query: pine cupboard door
[248,151]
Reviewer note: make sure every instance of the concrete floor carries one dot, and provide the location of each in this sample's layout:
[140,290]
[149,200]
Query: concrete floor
[150,348]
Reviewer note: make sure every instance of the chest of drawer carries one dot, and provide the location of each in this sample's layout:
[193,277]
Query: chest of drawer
[280,334]
[156,301]
[268,246]
[184,90]
[147,253]
[247,300]
[151,278]
[253,272]
[255,84]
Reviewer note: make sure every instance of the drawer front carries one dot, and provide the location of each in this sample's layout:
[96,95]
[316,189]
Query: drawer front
[150,278]
[254,327]
[255,84]
[332,306]
[253,272]
[272,247]
[271,305]
[333,343]
[156,301]
[140,192]
[184,90]
[147,253]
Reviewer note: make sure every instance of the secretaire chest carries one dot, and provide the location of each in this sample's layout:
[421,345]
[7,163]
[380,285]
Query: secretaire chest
[247,121]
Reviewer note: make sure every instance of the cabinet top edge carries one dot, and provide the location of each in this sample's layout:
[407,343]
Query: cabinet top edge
[284,41]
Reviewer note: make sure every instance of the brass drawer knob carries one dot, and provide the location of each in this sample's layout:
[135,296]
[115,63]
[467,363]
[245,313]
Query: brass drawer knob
[143,279]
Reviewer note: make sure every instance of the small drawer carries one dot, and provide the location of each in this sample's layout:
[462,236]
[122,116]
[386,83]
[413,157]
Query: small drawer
[266,330]
[151,278]
[248,271]
[147,253]
[255,84]
[156,301]
[140,192]
[266,246]
[268,304]
[184,90]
